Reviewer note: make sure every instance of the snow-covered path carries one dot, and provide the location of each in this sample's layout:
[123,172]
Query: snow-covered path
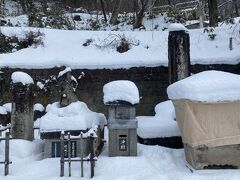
[153,162]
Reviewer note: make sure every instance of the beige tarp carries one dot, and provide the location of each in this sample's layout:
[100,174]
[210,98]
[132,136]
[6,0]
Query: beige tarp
[211,124]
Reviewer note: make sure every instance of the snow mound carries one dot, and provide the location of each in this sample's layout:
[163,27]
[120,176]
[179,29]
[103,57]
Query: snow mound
[38,107]
[121,90]
[207,86]
[21,77]
[22,149]
[3,110]
[163,124]
[177,27]
[66,70]
[8,107]
[75,116]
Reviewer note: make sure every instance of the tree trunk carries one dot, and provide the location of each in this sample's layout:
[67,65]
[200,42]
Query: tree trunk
[169,2]
[23,5]
[44,6]
[236,7]
[115,12]
[140,13]
[1,9]
[201,13]
[213,13]
[103,10]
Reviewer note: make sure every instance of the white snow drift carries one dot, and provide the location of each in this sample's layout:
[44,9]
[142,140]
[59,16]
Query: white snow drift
[163,124]
[121,90]
[75,116]
[21,77]
[207,86]
[64,48]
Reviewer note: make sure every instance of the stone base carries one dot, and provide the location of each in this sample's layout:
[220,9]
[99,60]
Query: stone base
[117,136]
[171,142]
[222,157]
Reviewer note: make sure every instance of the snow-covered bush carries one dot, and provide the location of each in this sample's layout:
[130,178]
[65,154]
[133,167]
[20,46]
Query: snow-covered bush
[211,32]
[175,15]
[13,43]
[117,41]
[55,18]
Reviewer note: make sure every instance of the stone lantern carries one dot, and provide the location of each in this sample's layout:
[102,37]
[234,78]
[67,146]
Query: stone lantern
[122,123]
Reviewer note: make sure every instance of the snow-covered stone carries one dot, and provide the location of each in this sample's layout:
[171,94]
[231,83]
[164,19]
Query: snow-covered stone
[66,70]
[163,124]
[121,90]
[40,85]
[21,77]
[39,107]
[207,86]
[8,107]
[3,110]
[177,27]
[75,116]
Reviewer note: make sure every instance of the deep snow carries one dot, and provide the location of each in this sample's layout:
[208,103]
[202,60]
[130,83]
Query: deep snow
[207,86]
[152,163]
[75,116]
[163,124]
[64,48]
[120,90]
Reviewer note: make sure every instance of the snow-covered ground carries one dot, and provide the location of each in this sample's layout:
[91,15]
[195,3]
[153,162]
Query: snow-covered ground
[152,162]
[163,124]
[148,48]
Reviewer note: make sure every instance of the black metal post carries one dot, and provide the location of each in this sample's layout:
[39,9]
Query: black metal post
[69,155]
[62,155]
[6,171]
[81,154]
[91,154]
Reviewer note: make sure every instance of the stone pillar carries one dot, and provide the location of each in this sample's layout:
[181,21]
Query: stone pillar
[22,111]
[178,55]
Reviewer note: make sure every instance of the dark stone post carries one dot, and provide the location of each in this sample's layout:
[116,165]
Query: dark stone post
[178,55]
[22,111]
[1,86]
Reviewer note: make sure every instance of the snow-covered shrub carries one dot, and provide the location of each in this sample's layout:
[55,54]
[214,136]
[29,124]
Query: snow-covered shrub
[55,18]
[13,43]
[211,32]
[117,41]
[34,15]
[175,15]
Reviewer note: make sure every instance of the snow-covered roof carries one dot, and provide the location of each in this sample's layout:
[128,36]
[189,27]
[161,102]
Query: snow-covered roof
[75,116]
[121,90]
[21,77]
[163,124]
[207,86]
[64,48]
